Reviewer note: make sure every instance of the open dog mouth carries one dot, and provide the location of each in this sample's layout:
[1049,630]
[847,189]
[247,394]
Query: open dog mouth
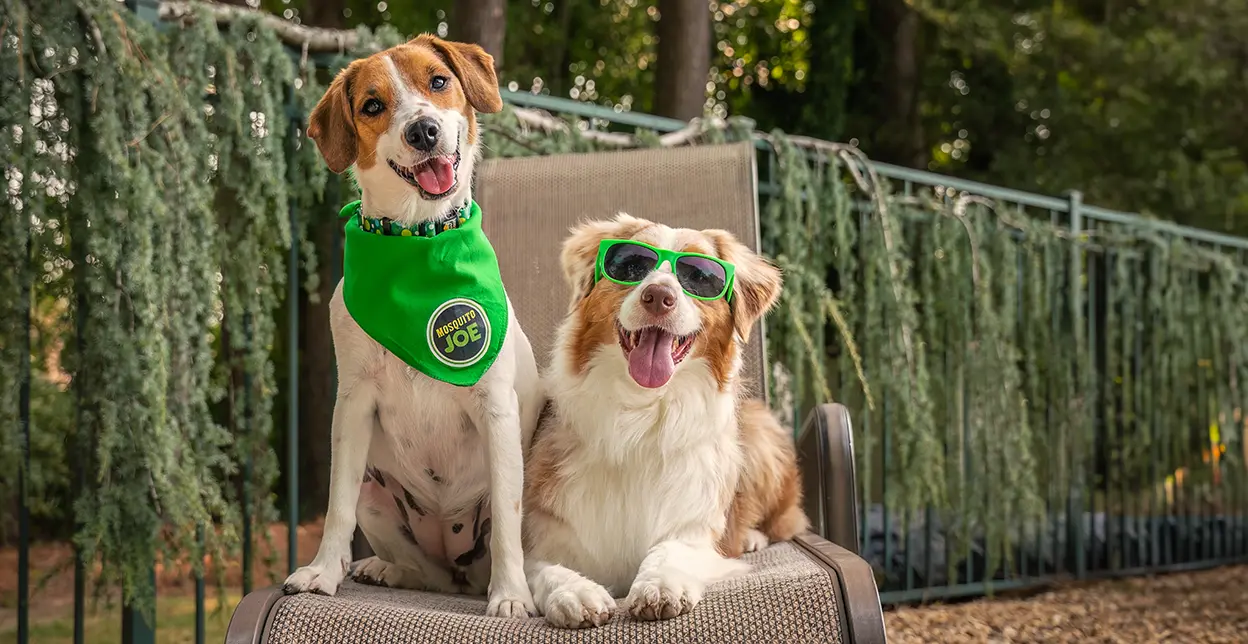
[653,353]
[434,177]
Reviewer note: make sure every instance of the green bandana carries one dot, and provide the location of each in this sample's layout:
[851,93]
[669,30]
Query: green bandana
[436,302]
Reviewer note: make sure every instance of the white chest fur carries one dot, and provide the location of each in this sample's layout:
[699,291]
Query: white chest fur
[647,468]
[426,441]
[422,430]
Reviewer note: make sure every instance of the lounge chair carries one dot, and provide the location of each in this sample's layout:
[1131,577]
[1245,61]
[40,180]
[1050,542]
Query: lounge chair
[815,589]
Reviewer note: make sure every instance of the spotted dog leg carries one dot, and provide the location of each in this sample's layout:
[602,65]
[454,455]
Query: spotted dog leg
[398,532]
[467,539]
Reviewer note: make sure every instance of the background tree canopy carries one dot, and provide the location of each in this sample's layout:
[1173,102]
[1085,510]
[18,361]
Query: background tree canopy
[1138,103]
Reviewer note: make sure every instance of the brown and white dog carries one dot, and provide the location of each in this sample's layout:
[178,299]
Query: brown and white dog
[432,472]
[648,466]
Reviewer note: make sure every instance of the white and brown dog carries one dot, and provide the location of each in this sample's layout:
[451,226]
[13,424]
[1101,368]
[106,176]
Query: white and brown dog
[432,472]
[649,471]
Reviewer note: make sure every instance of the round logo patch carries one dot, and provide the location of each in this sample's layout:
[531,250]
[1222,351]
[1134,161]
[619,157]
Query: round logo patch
[459,332]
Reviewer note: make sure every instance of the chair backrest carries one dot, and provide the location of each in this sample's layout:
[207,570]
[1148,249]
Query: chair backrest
[530,203]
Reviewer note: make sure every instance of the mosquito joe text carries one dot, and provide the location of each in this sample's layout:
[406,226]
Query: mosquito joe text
[459,332]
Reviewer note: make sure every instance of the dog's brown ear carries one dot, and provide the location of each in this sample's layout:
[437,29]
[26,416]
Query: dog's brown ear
[332,123]
[757,284]
[473,67]
[580,250]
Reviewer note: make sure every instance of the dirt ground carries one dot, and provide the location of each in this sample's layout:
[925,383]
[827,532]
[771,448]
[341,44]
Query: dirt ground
[1184,608]
[1188,608]
[52,574]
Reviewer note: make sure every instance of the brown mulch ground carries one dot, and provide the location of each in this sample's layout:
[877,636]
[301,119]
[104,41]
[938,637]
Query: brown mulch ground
[1197,607]
[1207,606]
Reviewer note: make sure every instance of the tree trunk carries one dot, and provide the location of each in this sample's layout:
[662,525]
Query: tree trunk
[324,13]
[823,109]
[318,374]
[684,58]
[483,22]
[900,136]
[560,49]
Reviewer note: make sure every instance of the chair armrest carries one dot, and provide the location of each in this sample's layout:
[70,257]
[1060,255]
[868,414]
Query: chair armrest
[859,597]
[825,449]
[250,622]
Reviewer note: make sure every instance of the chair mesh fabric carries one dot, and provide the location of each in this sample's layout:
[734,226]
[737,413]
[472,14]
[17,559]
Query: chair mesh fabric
[787,598]
[530,203]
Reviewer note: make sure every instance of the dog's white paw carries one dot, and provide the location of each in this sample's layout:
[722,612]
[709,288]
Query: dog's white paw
[510,602]
[376,572]
[664,595]
[579,604]
[755,540]
[316,578]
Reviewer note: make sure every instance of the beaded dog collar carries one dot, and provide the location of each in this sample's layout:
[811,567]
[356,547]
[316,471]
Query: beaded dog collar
[386,226]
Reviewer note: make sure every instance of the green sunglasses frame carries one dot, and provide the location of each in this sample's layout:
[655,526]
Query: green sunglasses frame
[668,256]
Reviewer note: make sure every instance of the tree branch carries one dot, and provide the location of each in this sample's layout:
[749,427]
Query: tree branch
[547,123]
[316,39]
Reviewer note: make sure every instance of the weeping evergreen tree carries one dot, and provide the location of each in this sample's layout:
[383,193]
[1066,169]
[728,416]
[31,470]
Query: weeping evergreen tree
[149,183]
[164,195]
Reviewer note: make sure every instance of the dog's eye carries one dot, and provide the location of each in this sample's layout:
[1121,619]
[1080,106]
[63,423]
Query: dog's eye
[438,83]
[373,107]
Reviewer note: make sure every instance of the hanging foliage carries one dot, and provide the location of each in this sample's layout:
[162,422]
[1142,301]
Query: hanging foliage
[141,234]
[22,211]
[161,198]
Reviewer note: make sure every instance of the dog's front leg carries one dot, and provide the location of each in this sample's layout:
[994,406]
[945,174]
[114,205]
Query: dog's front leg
[495,410]
[355,416]
[673,576]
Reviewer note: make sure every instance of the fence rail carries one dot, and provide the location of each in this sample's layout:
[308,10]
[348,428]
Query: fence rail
[1099,524]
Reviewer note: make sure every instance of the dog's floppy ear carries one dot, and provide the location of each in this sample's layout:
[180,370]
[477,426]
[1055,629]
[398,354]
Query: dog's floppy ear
[580,250]
[473,67]
[756,286]
[332,123]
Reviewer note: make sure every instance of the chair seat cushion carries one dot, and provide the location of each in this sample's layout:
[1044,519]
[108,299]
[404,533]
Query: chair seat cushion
[787,597]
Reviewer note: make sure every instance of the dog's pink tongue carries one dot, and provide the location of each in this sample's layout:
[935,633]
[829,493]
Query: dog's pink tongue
[650,362]
[437,176]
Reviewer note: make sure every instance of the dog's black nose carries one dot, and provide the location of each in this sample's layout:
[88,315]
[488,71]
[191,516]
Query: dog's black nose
[422,134]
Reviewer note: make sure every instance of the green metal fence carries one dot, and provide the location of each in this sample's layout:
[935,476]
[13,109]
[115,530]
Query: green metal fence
[1106,521]
[1101,522]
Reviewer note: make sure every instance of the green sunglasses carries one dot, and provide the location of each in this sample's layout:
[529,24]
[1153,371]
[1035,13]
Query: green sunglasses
[628,262]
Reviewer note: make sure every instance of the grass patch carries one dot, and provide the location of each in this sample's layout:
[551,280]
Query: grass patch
[175,623]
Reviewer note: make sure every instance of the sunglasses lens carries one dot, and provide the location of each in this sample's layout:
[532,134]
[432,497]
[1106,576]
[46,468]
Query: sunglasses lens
[629,262]
[701,276]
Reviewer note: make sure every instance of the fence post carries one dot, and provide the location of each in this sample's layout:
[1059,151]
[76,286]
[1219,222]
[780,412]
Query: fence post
[292,366]
[200,593]
[85,437]
[135,628]
[1074,503]
[23,475]
[245,431]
